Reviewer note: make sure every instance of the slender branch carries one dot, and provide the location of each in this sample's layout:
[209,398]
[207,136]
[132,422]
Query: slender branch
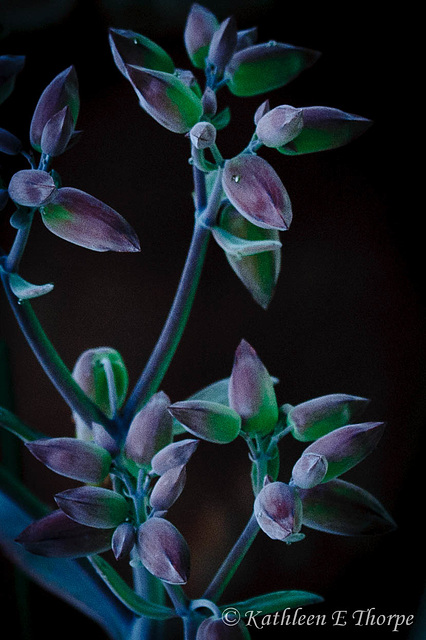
[164,350]
[232,561]
[52,364]
[14,258]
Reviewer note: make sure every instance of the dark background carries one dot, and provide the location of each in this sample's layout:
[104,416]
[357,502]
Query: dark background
[347,315]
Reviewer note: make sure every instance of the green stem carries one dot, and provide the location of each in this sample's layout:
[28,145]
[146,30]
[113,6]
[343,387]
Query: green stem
[52,364]
[156,368]
[232,561]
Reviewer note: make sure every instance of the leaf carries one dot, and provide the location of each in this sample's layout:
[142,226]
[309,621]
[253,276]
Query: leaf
[221,119]
[24,290]
[275,601]
[128,597]
[14,425]
[239,247]
[74,581]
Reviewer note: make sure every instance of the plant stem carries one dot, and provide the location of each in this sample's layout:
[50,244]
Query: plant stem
[14,258]
[232,561]
[52,364]
[166,346]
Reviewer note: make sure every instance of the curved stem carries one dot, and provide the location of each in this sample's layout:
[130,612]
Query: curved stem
[232,561]
[52,364]
[171,334]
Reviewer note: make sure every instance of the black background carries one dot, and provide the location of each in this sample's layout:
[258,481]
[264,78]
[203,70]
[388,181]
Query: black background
[347,315]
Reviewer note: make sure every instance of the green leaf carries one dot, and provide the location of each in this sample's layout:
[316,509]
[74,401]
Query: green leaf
[221,119]
[128,597]
[74,581]
[275,601]
[240,247]
[24,290]
[14,425]
[267,66]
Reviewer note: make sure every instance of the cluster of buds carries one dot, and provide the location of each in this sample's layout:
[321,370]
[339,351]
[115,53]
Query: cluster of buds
[130,482]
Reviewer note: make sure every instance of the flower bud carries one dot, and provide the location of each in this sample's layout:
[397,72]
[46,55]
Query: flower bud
[209,102]
[343,508]
[10,66]
[151,430]
[58,536]
[314,418]
[168,489]
[166,98]
[259,272]
[129,47]
[345,447]
[279,126]
[102,438]
[9,143]
[251,392]
[31,187]
[256,191]
[57,133]
[216,629]
[72,458]
[223,44]
[261,110]
[246,38]
[267,66]
[93,506]
[207,420]
[123,540]
[278,511]
[203,135]
[200,26]
[173,455]
[61,92]
[309,470]
[325,128]
[163,551]
[84,220]
[90,374]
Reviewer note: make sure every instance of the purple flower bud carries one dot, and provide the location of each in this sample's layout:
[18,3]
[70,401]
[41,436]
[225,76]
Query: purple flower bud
[209,102]
[84,220]
[259,273]
[223,44]
[61,92]
[325,128]
[203,135]
[102,438]
[166,98]
[151,430]
[278,511]
[129,47]
[267,66]
[207,420]
[343,508]
[10,66]
[246,38]
[123,540]
[345,447]
[93,506]
[168,488]
[200,26]
[83,461]
[279,126]
[256,191]
[261,110]
[216,629]
[90,374]
[32,187]
[173,455]
[57,133]
[9,143]
[251,391]
[163,551]
[309,470]
[58,536]
[314,418]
